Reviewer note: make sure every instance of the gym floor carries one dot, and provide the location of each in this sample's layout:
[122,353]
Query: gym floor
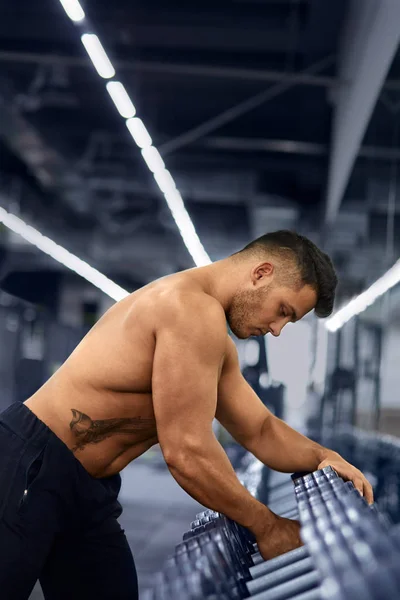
[156,514]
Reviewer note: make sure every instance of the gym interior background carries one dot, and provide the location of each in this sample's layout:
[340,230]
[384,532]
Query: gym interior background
[264,115]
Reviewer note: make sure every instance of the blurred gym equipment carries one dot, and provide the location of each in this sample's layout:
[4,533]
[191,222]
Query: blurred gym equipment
[351,550]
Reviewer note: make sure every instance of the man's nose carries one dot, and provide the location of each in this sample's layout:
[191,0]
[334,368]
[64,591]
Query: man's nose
[275,330]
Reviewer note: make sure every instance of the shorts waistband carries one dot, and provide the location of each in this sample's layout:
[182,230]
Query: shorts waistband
[21,421]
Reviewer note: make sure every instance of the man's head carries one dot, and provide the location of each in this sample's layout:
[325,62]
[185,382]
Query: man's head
[285,277]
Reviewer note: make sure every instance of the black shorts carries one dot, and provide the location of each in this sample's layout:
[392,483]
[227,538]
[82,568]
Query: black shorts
[58,524]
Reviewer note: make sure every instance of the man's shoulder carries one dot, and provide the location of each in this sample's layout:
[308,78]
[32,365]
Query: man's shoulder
[192,301]
[188,305]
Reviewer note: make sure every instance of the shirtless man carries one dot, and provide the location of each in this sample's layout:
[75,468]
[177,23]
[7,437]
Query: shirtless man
[157,368]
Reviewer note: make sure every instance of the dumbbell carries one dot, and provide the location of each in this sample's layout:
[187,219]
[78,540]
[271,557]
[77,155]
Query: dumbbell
[198,572]
[256,558]
[369,586]
[281,569]
[296,566]
[274,564]
[292,588]
[213,555]
[290,574]
[285,576]
[301,579]
[355,574]
[243,539]
[240,543]
[362,526]
[207,513]
[315,479]
[272,578]
[226,544]
[253,558]
[163,589]
[203,519]
[206,522]
[233,583]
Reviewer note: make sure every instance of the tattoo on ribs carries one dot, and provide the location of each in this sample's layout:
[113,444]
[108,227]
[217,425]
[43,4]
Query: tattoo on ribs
[89,431]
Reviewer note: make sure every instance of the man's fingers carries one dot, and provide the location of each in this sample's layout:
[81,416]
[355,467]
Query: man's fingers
[359,485]
[360,482]
[368,492]
[365,488]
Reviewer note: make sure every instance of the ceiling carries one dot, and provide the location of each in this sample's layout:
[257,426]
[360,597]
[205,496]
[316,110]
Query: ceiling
[246,101]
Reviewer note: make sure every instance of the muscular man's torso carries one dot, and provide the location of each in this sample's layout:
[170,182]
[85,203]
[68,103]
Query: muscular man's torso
[99,403]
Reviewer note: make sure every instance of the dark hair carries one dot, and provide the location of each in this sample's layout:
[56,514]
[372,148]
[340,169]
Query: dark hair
[314,266]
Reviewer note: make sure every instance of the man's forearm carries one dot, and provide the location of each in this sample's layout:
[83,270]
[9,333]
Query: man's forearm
[283,449]
[207,475]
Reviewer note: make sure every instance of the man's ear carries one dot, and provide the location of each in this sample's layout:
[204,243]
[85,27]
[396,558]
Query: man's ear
[262,271]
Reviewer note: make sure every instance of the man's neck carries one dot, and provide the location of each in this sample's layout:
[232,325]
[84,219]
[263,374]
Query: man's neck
[220,280]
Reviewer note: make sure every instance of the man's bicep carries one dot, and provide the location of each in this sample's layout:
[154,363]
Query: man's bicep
[184,384]
[239,409]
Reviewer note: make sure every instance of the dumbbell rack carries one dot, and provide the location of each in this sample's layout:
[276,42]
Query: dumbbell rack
[350,551]
[377,455]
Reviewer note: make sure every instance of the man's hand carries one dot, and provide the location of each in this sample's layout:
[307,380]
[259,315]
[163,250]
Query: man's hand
[349,473]
[278,538]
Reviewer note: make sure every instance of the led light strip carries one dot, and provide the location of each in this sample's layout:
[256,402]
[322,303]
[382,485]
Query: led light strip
[60,254]
[173,198]
[140,135]
[361,302]
[74,10]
